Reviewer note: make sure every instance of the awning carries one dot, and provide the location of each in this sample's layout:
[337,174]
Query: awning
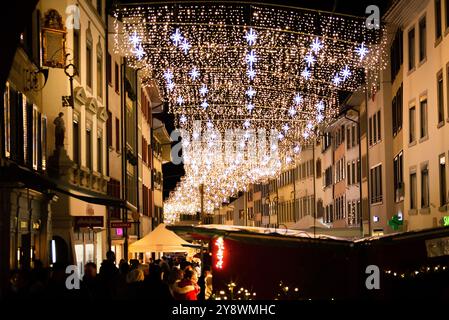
[10,171]
[160,240]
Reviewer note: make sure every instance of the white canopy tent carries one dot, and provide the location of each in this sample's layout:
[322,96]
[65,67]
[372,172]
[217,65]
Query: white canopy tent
[160,240]
[307,222]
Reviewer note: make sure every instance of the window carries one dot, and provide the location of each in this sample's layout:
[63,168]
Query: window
[318,168]
[412,124]
[447,85]
[440,97]
[326,141]
[354,135]
[442,173]
[109,130]
[425,187]
[422,39]
[7,120]
[354,174]
[35,137]
[89,148]
[423,118]
[413,191]
[108,69]
[76,48]
[376,184]
[397,111]
[438,22]
[88,58]
[411,49]
[396,54]
[117,135]
[43,143]
[76,141]
[349,175]
[328,177]
[359,171]
[100,7]
[446,6]
[348,137]
[375,128]
[398,177]
[100,152]
[117,78]
[99,71]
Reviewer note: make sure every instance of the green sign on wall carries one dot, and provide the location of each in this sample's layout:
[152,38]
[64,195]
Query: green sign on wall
[446,221]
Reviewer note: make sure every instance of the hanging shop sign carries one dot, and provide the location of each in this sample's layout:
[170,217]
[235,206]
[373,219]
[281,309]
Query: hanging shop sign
[120,224]
[88,222]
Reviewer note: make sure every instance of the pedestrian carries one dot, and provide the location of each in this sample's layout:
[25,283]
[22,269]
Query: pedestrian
[90,286]
[176,275]
[187,288]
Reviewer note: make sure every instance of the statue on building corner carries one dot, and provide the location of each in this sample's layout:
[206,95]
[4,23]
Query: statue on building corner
[59,162]
[59,131]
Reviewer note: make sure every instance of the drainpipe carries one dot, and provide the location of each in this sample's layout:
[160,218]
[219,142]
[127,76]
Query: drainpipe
[106,86]
[124,160]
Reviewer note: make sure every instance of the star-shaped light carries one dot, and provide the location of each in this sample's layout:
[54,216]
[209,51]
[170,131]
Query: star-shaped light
[251,73]
[170,86]
[246,135]
[176,37]
[310,59]
[362,51]
[310,125]
[183,119]
[203,90]
[345,73]
[194,74]
[250,107]
[134,39]
[168,75]
[296,149]
[336,80]
[319,118]
[280,136]
[185,46]
[204,105]
[246,124]
[288,159]
[251,58]
[297,99]
[292,112]
[320,106]
[210,125]
[251,37]
[195,135]
[305,134]
[316,45]
[180,100]
[250,92]
[139,52]
[285,127]
[305,74]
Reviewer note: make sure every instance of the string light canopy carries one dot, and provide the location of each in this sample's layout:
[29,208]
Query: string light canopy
[244,66]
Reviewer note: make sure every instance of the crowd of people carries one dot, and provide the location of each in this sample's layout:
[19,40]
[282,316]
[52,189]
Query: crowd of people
[163,280]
